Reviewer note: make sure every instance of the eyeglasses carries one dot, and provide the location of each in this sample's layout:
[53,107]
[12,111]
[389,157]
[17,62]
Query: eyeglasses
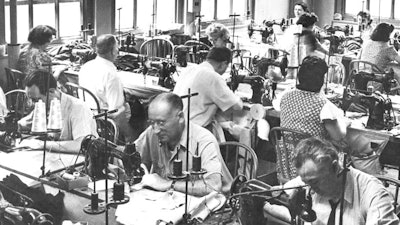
[158,123]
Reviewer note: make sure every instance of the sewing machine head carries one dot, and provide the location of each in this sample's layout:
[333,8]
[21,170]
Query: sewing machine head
[361,80]
[97,158]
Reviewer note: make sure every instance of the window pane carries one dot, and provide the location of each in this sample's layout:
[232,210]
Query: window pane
[22,22]
[207,9]
[355,6]
[397,9]
[44,13]
[144,18]
[385,8]
[223,9]
[126,14]
[70,22]
[165,13]
[240,7]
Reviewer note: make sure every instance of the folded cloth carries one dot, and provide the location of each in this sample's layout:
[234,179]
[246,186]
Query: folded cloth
[152,207]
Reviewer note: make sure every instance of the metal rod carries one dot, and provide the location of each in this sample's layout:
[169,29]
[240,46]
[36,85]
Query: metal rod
[186,216]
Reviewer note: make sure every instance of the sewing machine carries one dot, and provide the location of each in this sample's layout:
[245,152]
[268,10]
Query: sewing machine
[97,156]
[361,80]
[164,71]
[9,129]
[266,29]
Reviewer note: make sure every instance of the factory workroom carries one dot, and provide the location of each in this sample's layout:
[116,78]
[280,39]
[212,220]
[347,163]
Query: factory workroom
[134,112]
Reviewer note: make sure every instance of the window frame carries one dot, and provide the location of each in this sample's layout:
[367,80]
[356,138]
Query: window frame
[340,7]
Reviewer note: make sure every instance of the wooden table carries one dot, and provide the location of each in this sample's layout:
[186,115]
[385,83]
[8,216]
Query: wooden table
[26,165]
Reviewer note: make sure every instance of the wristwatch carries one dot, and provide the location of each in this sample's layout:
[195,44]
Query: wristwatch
[172,185]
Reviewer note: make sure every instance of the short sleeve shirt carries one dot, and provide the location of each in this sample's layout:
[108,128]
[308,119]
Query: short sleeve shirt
[214,93]
[378,53]
[31,59]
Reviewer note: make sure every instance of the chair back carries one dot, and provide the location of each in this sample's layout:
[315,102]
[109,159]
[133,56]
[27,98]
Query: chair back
[197,51]
[395,185]
[17,100]
[83,94]
[15,79]
[157,47]
[110,129]
[240,159]
[285,141]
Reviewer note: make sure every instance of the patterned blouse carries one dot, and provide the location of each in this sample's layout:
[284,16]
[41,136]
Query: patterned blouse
[31,59]
[301,111]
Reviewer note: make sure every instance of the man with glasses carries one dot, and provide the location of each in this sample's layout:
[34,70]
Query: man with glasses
[165,141]
[77,118]
[366,201]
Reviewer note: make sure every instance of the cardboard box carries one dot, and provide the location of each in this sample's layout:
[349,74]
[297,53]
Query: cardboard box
[69,184]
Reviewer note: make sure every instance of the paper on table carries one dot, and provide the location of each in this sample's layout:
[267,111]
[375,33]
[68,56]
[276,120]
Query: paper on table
[148,207]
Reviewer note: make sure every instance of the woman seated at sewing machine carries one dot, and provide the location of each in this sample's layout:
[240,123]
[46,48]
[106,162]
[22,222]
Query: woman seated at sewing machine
[219,35]
[378,51]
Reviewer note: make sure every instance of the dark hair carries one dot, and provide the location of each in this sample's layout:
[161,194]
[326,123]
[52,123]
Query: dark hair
[174,101]
[220,54]
[311,74]
[307,19]
[382,32]
[40,78]
[105,43]
[315,149]
[303,5]
[365,16]
[41,34]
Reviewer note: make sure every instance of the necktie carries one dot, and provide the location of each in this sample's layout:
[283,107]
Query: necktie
[331,220]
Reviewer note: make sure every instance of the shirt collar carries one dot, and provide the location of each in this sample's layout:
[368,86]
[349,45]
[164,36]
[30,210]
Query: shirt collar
[104,61]
[207,65]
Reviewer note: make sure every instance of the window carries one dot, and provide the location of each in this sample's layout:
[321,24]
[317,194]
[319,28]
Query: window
[22,24]
[355,6]
[384,6]
[165,13]
[240,7]
[223,9]
[44,13]
[144,15]
[70,22]
[126,10]
[207,10]
[397,9]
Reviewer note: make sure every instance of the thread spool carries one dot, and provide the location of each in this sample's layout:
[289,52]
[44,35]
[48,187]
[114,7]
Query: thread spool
[177,167]
[94,201]
[118,191]
[76,174]
[196,163]
[55,122]
[370,89]
[39,118]
[67,176]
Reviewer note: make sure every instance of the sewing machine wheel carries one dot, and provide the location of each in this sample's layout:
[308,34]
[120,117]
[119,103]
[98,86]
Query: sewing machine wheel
[43,219]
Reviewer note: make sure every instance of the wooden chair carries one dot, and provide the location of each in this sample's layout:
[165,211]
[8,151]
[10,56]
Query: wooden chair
[284,141]
[18,101]
[198,51]
[15,79]
[157,47]
[83,94]
[240,159]
[111,128]
[387,181]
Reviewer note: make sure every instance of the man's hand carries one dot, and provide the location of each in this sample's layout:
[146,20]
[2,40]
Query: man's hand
[156,182]
[31,143]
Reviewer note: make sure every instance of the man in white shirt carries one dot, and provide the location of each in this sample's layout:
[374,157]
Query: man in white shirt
[213,93]
[100,77]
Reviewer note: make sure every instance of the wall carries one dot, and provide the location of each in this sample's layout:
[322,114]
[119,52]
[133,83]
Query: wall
[324,10]
[270,10]
[104,21]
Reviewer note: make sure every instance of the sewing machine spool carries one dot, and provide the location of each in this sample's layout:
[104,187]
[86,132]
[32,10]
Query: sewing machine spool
[94,207]
[196,166]
[257,111]
[177,170]
[119,196]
